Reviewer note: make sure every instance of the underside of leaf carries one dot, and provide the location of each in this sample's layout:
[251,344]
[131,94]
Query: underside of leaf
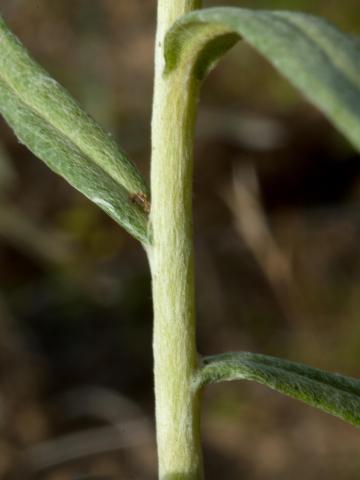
[318,59]
[329,392]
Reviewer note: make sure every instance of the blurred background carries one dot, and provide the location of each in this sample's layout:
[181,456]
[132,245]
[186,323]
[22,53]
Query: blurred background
[277,231]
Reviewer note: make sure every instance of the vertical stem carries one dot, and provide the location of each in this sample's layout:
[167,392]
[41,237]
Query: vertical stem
[171,259]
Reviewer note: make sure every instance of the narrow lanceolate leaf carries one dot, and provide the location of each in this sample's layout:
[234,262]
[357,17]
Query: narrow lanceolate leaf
[54,127]
[322,62]
[330,392]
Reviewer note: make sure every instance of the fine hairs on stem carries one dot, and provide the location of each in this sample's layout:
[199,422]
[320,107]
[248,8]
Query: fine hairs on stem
[171,260]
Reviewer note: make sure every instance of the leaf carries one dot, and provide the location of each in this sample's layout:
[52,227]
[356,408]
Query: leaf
[54,127]
[322,62]
[330,392]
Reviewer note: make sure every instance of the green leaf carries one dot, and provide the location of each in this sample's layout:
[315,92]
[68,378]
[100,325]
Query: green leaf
[53,126]
[322,62]
[330,392]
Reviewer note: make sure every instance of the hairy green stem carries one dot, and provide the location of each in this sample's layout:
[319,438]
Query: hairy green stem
[171,259]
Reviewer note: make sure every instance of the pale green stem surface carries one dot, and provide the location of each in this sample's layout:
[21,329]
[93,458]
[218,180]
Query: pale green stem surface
[171,259]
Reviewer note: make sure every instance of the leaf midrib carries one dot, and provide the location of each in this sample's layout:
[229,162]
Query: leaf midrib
[321,42]
[56,129]
[323,48]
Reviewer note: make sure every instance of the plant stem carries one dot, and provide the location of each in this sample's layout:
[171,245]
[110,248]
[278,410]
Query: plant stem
[171,260]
